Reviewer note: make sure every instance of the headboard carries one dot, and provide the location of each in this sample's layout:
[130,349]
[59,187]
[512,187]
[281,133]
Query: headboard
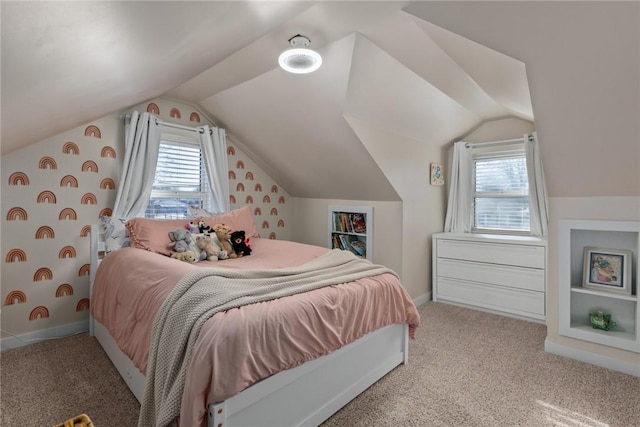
[98,249]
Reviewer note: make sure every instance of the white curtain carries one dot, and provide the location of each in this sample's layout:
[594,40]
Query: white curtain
[213,143]
[539,217]
[459,215]
[458,219]
[142,142]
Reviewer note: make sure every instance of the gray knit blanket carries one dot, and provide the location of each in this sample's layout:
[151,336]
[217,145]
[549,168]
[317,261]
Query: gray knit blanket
[205,291]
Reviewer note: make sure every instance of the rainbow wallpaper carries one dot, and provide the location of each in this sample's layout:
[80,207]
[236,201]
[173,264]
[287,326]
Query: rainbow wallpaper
[54,190]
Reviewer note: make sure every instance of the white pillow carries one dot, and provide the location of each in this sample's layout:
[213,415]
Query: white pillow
[197,212]
[116,235]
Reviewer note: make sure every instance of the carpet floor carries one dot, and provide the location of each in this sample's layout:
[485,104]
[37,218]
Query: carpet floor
[466,368]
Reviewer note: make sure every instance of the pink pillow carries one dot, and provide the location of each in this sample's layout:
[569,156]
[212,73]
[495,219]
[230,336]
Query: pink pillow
[153,234]
[237,219]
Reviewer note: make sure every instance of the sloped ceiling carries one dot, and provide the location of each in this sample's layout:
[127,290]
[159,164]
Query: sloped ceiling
[67,63]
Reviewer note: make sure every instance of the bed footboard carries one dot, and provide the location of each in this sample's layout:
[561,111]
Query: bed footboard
[305,395]
[312,392]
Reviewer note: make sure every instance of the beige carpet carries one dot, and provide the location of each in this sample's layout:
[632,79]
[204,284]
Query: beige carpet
[466,368]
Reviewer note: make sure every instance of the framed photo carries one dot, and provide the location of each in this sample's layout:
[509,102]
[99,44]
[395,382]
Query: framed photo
[437,174]
[607,270]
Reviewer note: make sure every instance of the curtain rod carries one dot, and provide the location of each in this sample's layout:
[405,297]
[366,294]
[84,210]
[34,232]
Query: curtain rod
[173,125]
[493,143]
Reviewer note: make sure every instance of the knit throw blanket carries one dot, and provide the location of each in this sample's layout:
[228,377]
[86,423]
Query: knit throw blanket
[205,291]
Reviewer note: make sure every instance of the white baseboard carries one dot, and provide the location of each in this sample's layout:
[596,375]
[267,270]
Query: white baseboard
[593,358]
[422,299]
[43,335]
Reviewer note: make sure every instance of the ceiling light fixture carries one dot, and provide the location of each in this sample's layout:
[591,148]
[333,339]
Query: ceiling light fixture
[299,59]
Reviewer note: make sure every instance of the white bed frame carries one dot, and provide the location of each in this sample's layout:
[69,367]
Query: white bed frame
[305,395]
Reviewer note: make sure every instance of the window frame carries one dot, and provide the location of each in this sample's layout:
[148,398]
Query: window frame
[186,138]
[510,150]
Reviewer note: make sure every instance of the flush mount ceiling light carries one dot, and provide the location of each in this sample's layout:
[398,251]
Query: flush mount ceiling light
[299,59]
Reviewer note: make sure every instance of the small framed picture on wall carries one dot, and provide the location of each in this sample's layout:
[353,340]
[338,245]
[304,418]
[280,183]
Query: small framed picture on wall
[607,270]
[437,174]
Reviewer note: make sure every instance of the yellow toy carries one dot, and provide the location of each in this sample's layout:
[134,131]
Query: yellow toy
[187,256]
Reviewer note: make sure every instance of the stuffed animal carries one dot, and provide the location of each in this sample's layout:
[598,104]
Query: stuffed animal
[192,226]
[209,248]
[204,228]
[180,240]
[223,233]
[187,256]
[240,243]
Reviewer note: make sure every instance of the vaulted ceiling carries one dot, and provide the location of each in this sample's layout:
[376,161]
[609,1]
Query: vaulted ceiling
[67,63]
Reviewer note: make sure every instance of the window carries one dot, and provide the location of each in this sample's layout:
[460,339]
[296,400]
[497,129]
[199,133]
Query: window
[180,180]
[500,190]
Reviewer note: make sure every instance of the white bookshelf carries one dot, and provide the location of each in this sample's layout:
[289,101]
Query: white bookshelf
[576,302]
[351,228]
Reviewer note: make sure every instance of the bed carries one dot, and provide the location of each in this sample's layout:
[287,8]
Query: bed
[309,353]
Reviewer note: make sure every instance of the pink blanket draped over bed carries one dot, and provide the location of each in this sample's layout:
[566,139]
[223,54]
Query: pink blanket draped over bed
[241,346]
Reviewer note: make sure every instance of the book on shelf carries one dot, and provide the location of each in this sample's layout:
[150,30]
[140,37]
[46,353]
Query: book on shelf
[345,222]
[336,241]
[359,247]
[358,222]
[349,243]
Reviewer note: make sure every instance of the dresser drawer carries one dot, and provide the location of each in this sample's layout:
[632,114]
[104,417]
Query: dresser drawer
[532,279]
[515,301]
[507,254]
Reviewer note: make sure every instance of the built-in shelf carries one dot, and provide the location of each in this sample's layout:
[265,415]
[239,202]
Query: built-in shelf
[577,302]
[351,229]
[579,289]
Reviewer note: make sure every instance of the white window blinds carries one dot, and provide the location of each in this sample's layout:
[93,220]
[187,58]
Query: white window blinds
[501,191]
[180,180]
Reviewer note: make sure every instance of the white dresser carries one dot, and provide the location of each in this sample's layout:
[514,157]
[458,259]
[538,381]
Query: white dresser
[501,274]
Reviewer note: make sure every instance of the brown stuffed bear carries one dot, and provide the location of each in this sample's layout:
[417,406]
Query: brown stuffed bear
[223,233]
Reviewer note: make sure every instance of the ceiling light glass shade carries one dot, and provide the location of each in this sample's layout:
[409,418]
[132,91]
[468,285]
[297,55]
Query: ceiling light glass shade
[300,60]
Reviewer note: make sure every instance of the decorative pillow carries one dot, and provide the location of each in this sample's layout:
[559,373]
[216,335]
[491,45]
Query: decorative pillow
[153,234]
[116,235]
[237,219]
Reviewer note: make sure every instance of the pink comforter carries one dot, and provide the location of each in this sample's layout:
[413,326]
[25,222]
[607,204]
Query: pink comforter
[241,346]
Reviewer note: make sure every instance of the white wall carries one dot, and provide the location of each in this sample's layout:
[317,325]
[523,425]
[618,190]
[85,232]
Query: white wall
[500,130]
[405,161]
[583,61]
[311,226]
